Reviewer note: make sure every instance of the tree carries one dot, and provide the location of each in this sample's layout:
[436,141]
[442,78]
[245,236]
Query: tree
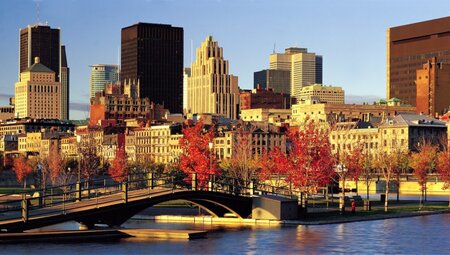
[443,168]
[22,168]
[274,163]
[244,163]
[402,164]
[55,164]
[197,157]
[118,170]
[89,160]
[366,172]
[386,163]
[423,162]
[350,166]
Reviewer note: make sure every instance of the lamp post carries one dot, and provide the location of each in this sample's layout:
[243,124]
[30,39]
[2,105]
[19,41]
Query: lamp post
[341,170]
[211,144]
[78,185]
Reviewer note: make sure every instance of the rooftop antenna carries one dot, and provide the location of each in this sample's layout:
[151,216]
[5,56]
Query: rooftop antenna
[274,46]
[192,47]
[38,11]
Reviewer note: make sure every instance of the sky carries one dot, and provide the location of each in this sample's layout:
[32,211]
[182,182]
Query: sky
[350,34]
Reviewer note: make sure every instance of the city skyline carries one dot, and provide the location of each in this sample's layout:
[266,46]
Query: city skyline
[248,39]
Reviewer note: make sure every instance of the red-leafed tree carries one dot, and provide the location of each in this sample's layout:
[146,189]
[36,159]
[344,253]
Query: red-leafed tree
[119,169]
[196,156]
[311,159]
[309,162]
[423,162]
[274,163]
[55,164]
[350,166]
[22,168]
[443,168]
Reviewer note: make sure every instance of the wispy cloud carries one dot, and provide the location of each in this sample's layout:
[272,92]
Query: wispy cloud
[82,107]
[358,99]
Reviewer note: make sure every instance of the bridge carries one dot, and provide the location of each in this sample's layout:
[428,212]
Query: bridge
[101,201]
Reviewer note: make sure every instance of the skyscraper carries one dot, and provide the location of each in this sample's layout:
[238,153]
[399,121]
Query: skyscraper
[211,89]
[153,54]
[42,41]
[408,48]
[186,75]
[38,94]
[102,74]
[277,80]
[65,74]
[305,67]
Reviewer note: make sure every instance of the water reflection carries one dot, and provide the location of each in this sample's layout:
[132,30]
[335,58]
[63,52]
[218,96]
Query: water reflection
[417,235]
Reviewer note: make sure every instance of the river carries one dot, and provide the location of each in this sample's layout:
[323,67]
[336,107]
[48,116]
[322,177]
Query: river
[415,235]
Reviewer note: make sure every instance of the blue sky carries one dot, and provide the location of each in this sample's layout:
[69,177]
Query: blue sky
[350,34]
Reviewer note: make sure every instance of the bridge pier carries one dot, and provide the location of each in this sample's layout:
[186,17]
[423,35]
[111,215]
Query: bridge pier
[86,226]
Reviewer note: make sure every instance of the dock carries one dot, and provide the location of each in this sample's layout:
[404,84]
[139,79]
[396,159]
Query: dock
[99,235]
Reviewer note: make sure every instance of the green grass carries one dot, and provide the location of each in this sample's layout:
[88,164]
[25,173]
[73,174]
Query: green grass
[14,190]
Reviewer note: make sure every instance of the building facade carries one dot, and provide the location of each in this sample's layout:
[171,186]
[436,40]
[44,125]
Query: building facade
[45,42]
[273,116]
[264,98]
[186,75]
[38,94]
[153,55]
[302,65]
[277,80]
[211,89]
[324,94]
[408,48]
[102,74]
[65,85]
[433,88]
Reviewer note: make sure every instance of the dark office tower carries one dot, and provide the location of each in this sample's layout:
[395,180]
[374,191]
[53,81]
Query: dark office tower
[408,48]
[260,79]
[43,42]
[319,69]
[277,80]
[153,54]
[65,74]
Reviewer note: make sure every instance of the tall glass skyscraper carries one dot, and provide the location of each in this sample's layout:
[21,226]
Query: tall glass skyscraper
[102,74]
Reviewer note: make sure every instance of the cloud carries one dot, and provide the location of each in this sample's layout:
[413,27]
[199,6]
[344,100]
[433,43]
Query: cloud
[5,96]
[82,107]
[358,99]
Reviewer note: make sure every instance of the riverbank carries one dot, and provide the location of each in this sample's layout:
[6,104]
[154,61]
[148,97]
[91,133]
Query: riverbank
[316,216]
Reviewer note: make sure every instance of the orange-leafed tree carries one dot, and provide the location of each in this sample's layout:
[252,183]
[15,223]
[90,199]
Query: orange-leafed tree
[118,170]
[22,168]
[55,164]
[423,162]
[350,166]
[274,166]
[196,156]
[443,168]
[308,164]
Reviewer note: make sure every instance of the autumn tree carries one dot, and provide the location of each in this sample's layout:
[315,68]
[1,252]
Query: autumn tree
[350,165]
[443,168]
[309,162]
[244,162]
[56,164]
[22,168]
[197,157]
[401,157]
[423,162]
[89,161]
[386,164]
[366,172]
[119,169]
[274,163]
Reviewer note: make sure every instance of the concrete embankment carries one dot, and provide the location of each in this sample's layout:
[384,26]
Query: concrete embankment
[99,235]
[348,219]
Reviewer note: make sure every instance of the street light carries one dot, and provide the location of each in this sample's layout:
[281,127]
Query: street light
[78,157]
[341,170]
[211,144]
